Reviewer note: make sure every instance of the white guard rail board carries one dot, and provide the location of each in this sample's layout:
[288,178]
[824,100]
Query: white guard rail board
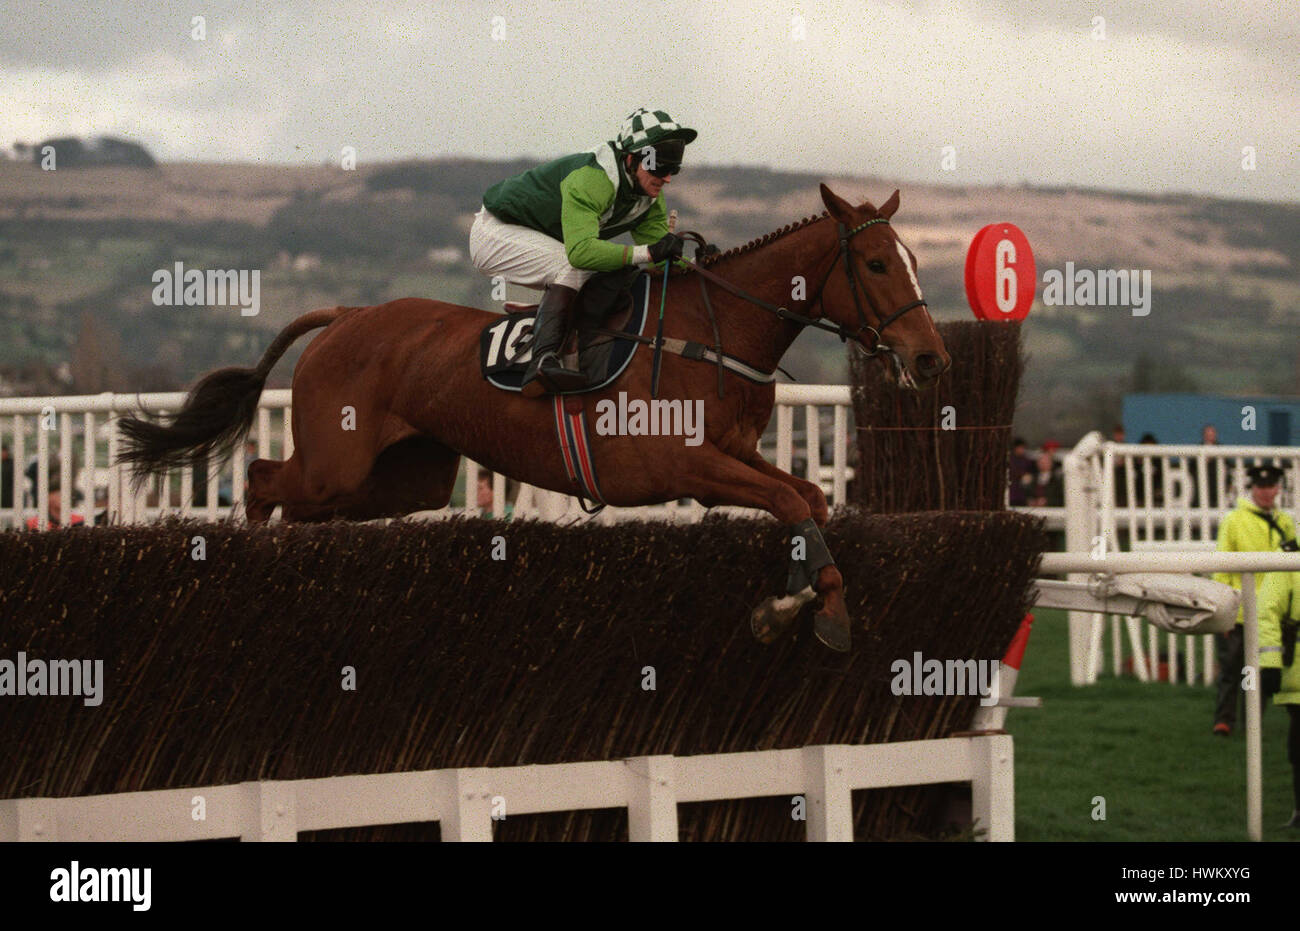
[72,442]
[1153,499]
[465,801]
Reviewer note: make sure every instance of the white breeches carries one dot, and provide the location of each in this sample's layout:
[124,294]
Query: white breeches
[521,255]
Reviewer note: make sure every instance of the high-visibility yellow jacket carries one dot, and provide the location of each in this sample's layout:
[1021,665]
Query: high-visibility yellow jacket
[1246,531]
[1278,599]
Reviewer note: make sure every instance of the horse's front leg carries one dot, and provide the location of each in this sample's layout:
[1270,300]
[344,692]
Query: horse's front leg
[717,479]
[809,491]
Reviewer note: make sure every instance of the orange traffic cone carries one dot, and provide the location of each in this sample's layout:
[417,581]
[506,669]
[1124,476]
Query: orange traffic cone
[992,717]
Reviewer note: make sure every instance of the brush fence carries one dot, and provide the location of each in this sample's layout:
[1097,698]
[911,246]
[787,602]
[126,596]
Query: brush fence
[476,647]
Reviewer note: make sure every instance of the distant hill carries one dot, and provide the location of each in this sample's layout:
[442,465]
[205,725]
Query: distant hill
[82,245]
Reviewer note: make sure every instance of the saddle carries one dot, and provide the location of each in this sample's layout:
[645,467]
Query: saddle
[610,303]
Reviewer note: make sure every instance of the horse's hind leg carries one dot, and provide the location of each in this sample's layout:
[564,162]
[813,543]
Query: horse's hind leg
[415,474]
[271,483]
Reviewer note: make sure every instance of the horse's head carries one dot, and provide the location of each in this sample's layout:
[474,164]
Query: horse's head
[879,299]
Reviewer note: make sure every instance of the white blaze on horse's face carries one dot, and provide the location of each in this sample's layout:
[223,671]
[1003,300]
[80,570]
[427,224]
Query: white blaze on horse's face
[912,368]
[907,264]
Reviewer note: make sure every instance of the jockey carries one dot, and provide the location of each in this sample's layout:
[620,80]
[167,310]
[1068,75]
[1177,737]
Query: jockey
[548,227]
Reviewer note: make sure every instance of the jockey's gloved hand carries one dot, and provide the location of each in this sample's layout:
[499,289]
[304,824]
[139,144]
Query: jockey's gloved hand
[670,247]
[708,250]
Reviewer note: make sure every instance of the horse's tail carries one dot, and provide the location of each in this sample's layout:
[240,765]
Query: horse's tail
[218,412]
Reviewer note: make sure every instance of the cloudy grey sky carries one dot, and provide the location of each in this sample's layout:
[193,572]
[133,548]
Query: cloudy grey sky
[1022,90]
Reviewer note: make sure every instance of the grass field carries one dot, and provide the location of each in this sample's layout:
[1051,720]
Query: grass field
[1146,749]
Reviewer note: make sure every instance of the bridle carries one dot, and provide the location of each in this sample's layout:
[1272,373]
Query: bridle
[859,295]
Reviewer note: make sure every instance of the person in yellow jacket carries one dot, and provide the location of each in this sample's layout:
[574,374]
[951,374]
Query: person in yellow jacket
[1255,526]
[1279,619]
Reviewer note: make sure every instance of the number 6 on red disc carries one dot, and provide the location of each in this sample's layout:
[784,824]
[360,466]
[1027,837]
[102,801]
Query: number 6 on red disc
[1000,273]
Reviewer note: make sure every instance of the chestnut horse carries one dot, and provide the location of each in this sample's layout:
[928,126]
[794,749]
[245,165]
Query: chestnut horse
[409,370]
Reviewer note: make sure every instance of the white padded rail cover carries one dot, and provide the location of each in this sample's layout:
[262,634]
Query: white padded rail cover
[1183,604]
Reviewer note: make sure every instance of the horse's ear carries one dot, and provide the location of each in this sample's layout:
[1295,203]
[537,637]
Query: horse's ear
[837,206]
[889,207]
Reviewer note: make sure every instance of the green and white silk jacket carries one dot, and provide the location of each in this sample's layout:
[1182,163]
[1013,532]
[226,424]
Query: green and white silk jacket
[583,200]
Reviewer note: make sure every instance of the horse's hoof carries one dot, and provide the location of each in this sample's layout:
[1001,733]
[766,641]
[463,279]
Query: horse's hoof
[768,623]
[774,616]
[833,630]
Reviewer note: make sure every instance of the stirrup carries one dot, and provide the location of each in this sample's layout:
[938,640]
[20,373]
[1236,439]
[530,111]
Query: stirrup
[555,377]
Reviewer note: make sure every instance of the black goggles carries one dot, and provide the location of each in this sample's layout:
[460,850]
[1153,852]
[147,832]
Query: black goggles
[663,159]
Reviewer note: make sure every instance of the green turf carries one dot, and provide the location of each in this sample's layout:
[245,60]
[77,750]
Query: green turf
[1145,748]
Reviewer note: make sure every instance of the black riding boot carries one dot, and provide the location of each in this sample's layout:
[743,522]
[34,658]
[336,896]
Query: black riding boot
[549,329]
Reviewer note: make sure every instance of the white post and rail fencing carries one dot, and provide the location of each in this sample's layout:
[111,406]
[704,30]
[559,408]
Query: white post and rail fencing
[812,436]
[465,801]
[1153,499]
[74,442]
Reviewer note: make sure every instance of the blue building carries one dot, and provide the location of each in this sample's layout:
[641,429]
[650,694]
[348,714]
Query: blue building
[1178,418]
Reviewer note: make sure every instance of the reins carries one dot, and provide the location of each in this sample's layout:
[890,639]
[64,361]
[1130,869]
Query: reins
[716,353]
[839,329]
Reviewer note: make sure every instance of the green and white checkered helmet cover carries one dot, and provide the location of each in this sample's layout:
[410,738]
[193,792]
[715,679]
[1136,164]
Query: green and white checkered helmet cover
[649,127]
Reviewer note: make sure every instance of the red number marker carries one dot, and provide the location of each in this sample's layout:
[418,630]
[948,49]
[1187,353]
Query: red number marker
[1000,273]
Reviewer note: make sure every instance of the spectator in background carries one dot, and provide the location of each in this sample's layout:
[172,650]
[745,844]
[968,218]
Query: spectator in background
[1213,490]
[1117,435]
[55,513]
[226,487]
[1156,496]
[1021,473]
[6,478]
[28,494]
[485,494]
[1254,527]
[33,470]
[1048,489]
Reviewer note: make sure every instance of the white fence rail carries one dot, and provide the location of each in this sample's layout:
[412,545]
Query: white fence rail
[465,801]
[72,442]
[1153,499]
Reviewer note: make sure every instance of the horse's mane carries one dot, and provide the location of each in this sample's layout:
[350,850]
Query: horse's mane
[764,239]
